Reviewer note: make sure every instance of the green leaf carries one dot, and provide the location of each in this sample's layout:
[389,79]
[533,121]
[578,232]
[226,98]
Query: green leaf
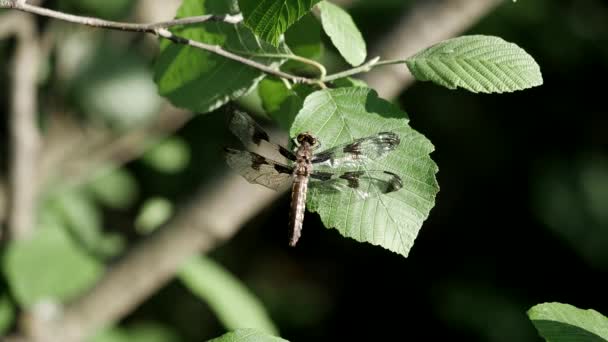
[154,212]
[7,314]
[114,187]
[347,82]
[557,322]
[269,19]
[304,38]
[247,335]
[49,266]
[234,304]
[169,156]
[393,220]
[202,81]
[477,63]
[282,104]
[343,32]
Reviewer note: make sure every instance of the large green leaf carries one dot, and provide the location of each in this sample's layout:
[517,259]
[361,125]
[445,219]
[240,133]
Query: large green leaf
[393,220]
[269,19]
[247,335]
[49,266]
[200,80]
[343,33]
[235,306]
[477,63]
[557,322]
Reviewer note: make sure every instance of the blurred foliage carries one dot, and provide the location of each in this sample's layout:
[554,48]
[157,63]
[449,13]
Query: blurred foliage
[169,156]
[138,332]
[154,212]
[7,313]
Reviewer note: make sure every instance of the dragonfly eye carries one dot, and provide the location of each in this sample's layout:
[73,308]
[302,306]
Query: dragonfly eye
[308,138]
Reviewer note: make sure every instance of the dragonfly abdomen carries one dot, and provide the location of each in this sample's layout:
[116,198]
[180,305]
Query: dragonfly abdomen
[298,206]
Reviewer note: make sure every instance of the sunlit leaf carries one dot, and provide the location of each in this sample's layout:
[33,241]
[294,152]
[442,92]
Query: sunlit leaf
[154,212]
[247,335]
[269,19]
[477,63]
[557,322]
[393,220]
[343,32]
[202,81]
[235,306]
[49,266]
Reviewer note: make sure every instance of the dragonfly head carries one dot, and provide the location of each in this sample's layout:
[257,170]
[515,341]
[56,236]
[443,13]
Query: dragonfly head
[307,138]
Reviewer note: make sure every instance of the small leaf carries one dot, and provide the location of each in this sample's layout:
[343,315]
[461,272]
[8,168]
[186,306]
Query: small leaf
[343,32]
[235,306]
[169,156]
[477,63]
[154,213]
[202,81]
[557,322]
[392,221]
[269,19]
[49,266]
[247,335]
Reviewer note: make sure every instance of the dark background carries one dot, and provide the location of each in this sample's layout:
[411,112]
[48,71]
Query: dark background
[521,218]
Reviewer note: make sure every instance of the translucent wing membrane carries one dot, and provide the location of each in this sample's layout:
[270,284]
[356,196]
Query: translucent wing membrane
[364,184]
[358,151]
[249,132]
[258,169]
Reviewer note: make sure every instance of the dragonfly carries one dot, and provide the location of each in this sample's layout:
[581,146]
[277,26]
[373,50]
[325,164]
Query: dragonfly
[342,168]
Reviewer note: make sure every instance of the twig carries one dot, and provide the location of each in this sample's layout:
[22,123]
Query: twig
[24,133]
[198,228]
[161,30]
[427,23]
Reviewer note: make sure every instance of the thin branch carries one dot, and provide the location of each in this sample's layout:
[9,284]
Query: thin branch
[427,23]
[161,30]
[24,133]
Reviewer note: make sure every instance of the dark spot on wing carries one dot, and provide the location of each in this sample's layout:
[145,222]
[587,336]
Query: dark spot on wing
[354,148]
[257,161]
[259,135]
[323,176]
[395,183]
[322,157]
[352,178]
[282,169]
[286,153]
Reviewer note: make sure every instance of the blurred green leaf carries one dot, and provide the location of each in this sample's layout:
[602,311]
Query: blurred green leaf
[49,266]
[343,32]
[282,104]
[79,213]
[338,116]
[154,213]
[476,63]
[171,155]
[7,314]
[557,322]
[269,19]
[140,332]
[117,87]
[202,81]
[114,187]
[247,335]
[304,39]
[235,306]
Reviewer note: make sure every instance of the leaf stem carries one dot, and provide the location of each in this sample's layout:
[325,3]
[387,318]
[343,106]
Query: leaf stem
[372,63]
